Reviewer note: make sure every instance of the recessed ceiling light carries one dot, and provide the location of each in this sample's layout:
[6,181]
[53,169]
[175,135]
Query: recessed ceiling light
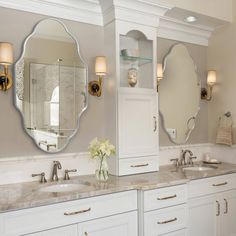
[190,19]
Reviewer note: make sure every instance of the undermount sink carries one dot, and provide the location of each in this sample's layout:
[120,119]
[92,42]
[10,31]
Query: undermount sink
[200,168]
[60,188]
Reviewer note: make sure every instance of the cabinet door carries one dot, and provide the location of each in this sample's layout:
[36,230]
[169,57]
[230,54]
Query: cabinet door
[138,124]
[203,216]
[228,213]
[62,231]
[118,225]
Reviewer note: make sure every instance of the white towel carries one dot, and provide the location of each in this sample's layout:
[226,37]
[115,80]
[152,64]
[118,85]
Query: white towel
[225,131]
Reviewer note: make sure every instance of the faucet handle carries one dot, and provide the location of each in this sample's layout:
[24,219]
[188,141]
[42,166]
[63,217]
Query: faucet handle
[43,179]
[191,158]
[67,177]
[176,161]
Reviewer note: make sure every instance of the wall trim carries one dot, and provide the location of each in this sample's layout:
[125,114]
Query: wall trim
[45,157]
[86,154]
[188,146]
[184,146]
[222,146]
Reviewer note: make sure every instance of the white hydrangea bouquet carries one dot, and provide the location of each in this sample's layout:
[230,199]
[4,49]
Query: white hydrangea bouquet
[101,150]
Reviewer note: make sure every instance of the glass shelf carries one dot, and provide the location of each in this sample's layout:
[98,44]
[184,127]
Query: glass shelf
[140,60]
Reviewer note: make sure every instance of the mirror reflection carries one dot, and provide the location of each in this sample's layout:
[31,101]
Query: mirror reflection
[51,85]
[179,94]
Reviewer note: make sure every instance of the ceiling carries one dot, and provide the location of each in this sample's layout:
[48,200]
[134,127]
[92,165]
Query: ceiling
[202,20]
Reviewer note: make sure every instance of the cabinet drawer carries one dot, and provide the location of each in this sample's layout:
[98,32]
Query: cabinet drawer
[212,185]
[71,212]
[132,165]
[182,232]
[70,230]
[164,197]
[117,225]
[165,220]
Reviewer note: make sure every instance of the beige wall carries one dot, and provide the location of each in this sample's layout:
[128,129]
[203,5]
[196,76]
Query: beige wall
[221,9]
[199,55]
[15,142]
[15,26]
[222,57]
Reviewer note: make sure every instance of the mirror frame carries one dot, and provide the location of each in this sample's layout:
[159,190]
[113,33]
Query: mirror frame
[194,117]
[15,89]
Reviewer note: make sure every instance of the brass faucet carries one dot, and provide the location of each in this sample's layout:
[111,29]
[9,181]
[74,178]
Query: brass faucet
[183,158]
[56,166]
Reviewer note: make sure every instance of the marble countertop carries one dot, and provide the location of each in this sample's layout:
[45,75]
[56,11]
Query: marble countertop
[26,195]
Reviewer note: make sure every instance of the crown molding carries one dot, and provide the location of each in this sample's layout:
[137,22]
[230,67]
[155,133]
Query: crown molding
[102,12]
[181,31]
[97,12]
[141,12]
[85,11]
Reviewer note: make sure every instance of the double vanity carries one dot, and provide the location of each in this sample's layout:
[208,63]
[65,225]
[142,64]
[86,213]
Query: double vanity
[173,202]
[150,98]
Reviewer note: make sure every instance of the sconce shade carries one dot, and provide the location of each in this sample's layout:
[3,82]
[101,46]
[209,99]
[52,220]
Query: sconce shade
[6,53]
[100,66]
[159,71]
[211,77]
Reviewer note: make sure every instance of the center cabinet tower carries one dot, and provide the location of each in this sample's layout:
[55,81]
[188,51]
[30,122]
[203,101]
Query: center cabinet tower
[130,95]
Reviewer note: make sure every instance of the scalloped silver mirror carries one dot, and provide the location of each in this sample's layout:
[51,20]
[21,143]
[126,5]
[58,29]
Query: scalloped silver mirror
[179,95]
[51,85]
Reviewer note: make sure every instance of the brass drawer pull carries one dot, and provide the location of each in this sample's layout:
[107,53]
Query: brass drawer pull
[155,124]
[220,184]
[226,207]
[218,208]
[166,198]
[167,221]
[77,212]
[141,165]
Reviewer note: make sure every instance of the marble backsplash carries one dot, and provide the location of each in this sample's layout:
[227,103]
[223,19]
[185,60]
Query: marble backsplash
[20,169]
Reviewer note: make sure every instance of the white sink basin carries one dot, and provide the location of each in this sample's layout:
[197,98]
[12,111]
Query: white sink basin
[60,188]
[200,168]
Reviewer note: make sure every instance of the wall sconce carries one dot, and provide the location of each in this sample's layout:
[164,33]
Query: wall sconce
[159,74]
[6,59]
[95,86]
[206,93]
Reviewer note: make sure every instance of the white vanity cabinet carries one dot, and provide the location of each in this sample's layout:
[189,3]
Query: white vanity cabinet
[163,211]
[137,123]
[212,206]
[103,215]
[228,213]
[70,230]
[131,110]
[138,131]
